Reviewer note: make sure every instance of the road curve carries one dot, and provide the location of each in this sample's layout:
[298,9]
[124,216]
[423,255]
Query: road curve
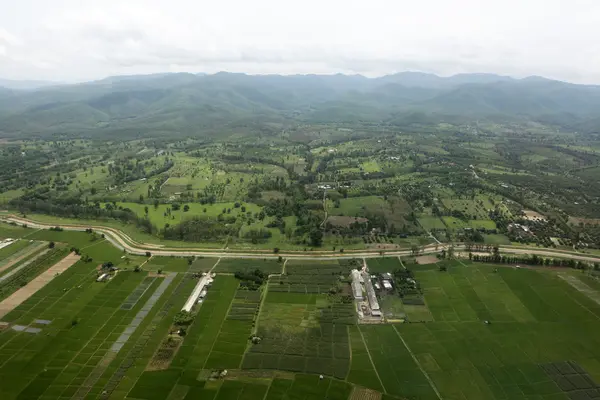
[123,242]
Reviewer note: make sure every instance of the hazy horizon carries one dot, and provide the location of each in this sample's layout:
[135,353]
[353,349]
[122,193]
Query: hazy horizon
[73,41]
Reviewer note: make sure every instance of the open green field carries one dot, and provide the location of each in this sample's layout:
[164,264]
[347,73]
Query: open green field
[430,223]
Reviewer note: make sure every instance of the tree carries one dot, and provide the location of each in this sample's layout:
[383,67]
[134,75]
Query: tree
[51,245]
[146,210]
[148,254]
[316,237]
[186,208]
[155,204]
[451,252]
[276,250]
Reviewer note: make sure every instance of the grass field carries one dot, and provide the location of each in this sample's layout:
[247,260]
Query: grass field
[430,223]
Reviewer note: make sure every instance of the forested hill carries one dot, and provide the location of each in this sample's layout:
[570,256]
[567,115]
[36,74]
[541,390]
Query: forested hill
[226,103]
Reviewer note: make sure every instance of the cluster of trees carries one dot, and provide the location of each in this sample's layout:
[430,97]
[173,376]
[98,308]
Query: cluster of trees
[200,228]
[531,260]
[251,280]
[74,208]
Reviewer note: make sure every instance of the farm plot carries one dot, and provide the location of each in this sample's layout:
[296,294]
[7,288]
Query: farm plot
[15,258]
[129,364]
[310,277]
[395,366]
[6,251]
[515,355]
[308,387]
[394,210]
[383,264]
[473,209]
[83,322]
[469,294]
[362,372]
[302,334]
[232,341]
[204,332]
[431,223]
[232,265]
[19,277]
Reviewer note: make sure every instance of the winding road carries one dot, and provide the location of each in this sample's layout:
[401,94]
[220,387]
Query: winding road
[124,242]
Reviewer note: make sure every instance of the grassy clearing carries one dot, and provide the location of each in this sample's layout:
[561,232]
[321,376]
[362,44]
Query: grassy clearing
[431,223]
[383,264]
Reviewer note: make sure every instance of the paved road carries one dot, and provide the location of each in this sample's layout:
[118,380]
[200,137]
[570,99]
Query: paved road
[122,241]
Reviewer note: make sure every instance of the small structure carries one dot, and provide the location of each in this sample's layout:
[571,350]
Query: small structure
[199,291]
[386,285]
[103,277]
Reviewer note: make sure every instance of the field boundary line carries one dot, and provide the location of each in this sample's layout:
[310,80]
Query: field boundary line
[581,287]
[435,389]
[370,358]
[93,244]
[16,269]
[24,253]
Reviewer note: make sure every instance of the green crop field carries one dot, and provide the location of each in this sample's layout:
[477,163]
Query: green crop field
[539,341]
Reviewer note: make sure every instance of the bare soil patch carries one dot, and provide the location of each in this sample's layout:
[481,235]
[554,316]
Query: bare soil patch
[533,216]
[426,260]
[18,297]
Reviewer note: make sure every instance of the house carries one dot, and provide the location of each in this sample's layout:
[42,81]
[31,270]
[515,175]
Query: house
[386,276]
[386,285]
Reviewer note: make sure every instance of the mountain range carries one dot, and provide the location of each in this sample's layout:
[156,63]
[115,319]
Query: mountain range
[197,104]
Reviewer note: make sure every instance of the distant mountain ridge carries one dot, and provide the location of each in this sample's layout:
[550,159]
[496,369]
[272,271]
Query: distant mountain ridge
[199,104]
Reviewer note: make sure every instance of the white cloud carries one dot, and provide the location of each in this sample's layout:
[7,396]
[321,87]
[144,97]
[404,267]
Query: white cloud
[73,40]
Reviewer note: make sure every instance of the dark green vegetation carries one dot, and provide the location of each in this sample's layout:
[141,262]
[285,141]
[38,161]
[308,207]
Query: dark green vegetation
[309,162]
[186,104]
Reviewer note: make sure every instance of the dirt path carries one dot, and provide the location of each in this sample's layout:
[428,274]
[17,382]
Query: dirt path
[27,253]
[18,297]
[582,287]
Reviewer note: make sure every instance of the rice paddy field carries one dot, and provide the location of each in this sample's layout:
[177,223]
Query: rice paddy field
[490,332]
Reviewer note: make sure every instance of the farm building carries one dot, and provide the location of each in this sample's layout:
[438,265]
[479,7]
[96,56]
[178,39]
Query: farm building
[386,284]
[373,303]
[103,277]
[356,285]
[199,291]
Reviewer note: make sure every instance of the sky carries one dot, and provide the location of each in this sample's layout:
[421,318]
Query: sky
[74,41]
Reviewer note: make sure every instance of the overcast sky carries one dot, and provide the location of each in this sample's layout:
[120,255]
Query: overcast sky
[76,40]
